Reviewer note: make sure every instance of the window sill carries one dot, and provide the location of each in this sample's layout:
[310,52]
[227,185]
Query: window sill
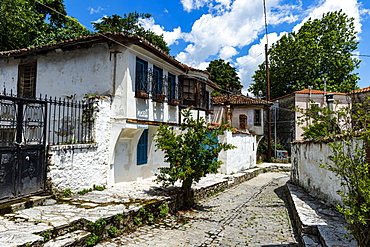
[141,94]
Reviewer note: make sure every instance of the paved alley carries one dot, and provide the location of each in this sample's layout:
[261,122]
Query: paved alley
[253,213]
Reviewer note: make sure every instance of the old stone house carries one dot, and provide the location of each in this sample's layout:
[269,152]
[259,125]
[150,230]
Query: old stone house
[134,87]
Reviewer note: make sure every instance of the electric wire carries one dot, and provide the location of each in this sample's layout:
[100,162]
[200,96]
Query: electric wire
[119,43]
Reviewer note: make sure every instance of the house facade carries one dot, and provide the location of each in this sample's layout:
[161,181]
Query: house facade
[287,127]
[135,86]
[241,112]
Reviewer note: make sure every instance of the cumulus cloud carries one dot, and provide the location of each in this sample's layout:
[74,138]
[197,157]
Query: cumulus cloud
[170,37]
[95,11]
[224,33]
[256,55]
[351,7]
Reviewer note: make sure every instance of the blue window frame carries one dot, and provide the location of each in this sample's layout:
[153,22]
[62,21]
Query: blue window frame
[142,148]
[141,75]
[172,86]
[157,80]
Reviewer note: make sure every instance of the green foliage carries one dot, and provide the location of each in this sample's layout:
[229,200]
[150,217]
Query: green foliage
[46,236]
[98,225]
[95,187]
[130,25]
[92,239]
[67,192]
[114,232]
[224,75]
[138,221]
[163,210]
[26,23]
[350,162]
[191,154]
[321,48]
[319,122]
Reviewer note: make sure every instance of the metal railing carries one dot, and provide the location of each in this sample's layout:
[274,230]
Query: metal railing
[66,121]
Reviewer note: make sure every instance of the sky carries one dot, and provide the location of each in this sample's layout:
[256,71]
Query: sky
[199,31]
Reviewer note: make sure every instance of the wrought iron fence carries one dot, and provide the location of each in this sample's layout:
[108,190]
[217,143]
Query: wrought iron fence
[67,121]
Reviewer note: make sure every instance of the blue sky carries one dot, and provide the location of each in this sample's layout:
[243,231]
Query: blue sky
[199,31]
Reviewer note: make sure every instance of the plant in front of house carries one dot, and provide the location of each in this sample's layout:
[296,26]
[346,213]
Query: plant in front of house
[349,160]
[191,154]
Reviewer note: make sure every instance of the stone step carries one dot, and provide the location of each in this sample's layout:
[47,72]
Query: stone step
[76,238]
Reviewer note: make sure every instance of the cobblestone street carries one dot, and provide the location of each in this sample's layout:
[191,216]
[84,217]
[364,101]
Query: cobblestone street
[253,213]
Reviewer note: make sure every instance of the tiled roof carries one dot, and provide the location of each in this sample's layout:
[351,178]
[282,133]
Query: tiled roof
[239,100]
[362,90]
[81,42]
[307,91]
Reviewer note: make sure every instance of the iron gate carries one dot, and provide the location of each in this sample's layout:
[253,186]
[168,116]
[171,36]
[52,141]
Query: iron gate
[22,147]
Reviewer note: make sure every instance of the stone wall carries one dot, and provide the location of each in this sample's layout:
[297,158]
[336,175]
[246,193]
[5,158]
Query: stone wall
[307,173]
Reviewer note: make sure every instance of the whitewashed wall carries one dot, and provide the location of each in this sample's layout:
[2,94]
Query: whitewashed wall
[306,173]
[80,166]
[240,158]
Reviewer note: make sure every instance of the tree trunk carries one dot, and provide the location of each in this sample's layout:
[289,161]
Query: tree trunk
[188,193]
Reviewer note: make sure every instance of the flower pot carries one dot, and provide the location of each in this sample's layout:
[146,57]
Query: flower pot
[174,102]
[160,97]
[142,94]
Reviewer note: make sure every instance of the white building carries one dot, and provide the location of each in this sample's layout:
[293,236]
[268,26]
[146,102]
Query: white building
[137,86]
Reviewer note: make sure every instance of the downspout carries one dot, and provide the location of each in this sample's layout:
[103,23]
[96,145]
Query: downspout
[114,73]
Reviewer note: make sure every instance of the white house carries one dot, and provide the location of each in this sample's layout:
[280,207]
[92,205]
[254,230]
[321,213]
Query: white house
[137,86]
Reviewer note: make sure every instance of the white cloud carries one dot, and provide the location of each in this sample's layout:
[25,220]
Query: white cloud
[170,37]
[227,52]
[227,31]
[95,11]
[256,55]
[190,5]
[351,7]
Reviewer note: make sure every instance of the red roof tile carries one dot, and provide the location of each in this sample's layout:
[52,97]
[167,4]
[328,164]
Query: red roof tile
[239,100]
[307,91]
[362,90]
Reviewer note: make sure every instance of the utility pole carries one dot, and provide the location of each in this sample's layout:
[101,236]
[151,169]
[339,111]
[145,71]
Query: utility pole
[268,98]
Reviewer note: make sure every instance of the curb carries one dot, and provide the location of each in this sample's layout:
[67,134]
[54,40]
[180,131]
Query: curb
[317,224]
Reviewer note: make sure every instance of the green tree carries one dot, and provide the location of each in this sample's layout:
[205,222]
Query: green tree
[351,163]
[321,48]
[224,75]
[319,122]
[349,159]
[130,25]
[191,154]
[26,23]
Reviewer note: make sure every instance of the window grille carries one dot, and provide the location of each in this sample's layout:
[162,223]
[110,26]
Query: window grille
[141,78]
[27,80]
[257,117]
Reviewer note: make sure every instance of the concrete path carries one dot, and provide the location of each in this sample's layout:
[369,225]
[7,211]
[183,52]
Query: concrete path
[253,213]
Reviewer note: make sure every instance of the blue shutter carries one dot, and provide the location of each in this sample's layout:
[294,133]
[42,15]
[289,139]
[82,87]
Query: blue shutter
[142,148]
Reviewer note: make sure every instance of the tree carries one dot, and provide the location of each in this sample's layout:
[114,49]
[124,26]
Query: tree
[321,48]
[319,122]
[191,154]
[27,23]
[350,160]
[129,24]
[224,75]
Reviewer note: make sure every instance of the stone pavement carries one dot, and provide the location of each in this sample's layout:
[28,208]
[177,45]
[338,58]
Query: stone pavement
[73,221]
[250,214]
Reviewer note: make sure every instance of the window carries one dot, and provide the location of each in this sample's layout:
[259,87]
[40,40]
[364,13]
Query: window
[172,89]
[189,92]
[157,86]
[27,80]
[257,117]
[141,75]
[243,120]
[142,148]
